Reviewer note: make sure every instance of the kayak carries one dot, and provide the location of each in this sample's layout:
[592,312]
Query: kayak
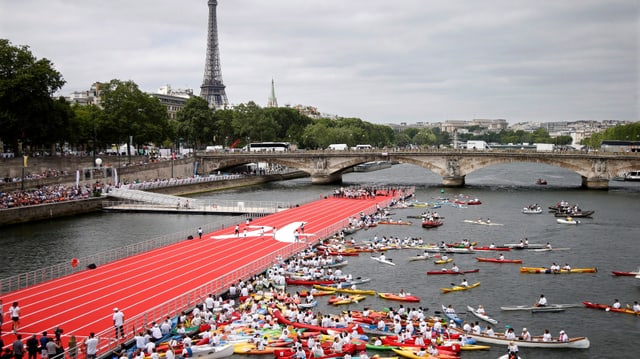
[443,261]
[567,221]
[396,296]
[384,260]
[402,223]
[625,274]
[609,308]
[431,224]
[411,354]
[457,288]
[491,249]
[531,307]
[296,281]
[479,221]
[451,316]
[484,317]
[449,271]
[355,298]
[539,270]
[346,290]
[536,342]
[496,260]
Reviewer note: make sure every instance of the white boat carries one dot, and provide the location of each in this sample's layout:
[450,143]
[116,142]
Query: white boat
[567,220]
[532,210]
[535,342]
[451,316]
[207,351]
[531,307]
[548,249]
[384,260]
[632,176]
[482,222]
[522,246]
[484,317]
[418,258]
[308,304]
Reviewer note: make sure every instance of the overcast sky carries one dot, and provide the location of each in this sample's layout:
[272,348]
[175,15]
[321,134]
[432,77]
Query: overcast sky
[380,60]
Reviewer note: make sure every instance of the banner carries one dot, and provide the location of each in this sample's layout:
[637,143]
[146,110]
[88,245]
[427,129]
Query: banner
[115,176]
[77,178]
[24,161]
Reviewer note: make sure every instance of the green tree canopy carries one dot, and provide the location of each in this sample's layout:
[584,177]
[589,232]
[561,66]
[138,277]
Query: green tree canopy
[28,112]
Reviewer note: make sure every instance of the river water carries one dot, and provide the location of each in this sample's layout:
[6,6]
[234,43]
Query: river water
[608,241]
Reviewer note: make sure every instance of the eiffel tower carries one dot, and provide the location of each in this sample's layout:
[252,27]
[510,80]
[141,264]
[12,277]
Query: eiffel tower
[212,89]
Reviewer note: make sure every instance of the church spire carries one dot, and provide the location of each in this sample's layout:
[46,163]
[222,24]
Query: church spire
[273,102]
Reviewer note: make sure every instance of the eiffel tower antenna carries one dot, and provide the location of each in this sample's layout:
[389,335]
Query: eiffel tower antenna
[273,102]
[212,89]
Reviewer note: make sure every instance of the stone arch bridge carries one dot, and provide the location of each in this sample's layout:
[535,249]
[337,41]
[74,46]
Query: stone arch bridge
[596,168]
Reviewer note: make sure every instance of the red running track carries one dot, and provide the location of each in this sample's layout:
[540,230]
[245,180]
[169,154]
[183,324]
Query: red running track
[83,302]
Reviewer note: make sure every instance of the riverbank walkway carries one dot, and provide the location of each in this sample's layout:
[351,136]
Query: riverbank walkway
[132,200]
[164,282]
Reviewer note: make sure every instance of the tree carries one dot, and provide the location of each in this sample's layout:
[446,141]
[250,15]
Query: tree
[27,107]
[195,122]
[129,112]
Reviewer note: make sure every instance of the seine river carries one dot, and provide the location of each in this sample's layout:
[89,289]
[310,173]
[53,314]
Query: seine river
[608,241]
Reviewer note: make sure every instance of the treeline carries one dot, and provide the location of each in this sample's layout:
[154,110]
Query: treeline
[630,132]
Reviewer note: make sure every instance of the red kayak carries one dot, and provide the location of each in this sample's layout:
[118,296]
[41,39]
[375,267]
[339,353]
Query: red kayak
[491,249]
[431,224]
[625,274]
[283,320]
[449,271]
[609,308]
[293,281]
[496,260]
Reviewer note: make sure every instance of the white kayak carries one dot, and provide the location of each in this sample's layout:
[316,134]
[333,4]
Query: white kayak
[484,317]
[567,221]
[548,306]
[384,260]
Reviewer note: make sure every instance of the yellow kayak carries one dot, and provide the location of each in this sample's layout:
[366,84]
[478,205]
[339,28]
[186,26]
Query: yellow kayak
[562,271]
[457,288]
[443,261]
[346,290]
[346,300]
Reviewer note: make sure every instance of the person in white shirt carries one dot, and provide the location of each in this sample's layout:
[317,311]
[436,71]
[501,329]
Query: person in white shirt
[91,346]
[118,322]
[616,304]
[525,335]
[546,337]
[563,337]
[542,302]
[489,332]
[636,307]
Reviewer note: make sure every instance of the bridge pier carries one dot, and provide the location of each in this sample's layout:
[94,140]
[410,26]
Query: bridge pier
[595,183]
[453,181]
[326,178]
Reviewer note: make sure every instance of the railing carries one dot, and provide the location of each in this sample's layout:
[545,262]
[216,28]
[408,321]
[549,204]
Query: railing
[31,278]
[189,300]
[181,182]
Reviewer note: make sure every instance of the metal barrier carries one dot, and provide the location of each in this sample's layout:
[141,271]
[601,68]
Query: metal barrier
[31,278]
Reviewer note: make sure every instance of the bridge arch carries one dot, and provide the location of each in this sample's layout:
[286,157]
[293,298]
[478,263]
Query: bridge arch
[596,169]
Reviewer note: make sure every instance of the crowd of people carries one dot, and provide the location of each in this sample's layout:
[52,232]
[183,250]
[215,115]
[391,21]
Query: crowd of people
[46,194]
[35,176]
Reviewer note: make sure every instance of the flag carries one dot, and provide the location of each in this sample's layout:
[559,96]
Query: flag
[24,161]
[77,178]
[115,176]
